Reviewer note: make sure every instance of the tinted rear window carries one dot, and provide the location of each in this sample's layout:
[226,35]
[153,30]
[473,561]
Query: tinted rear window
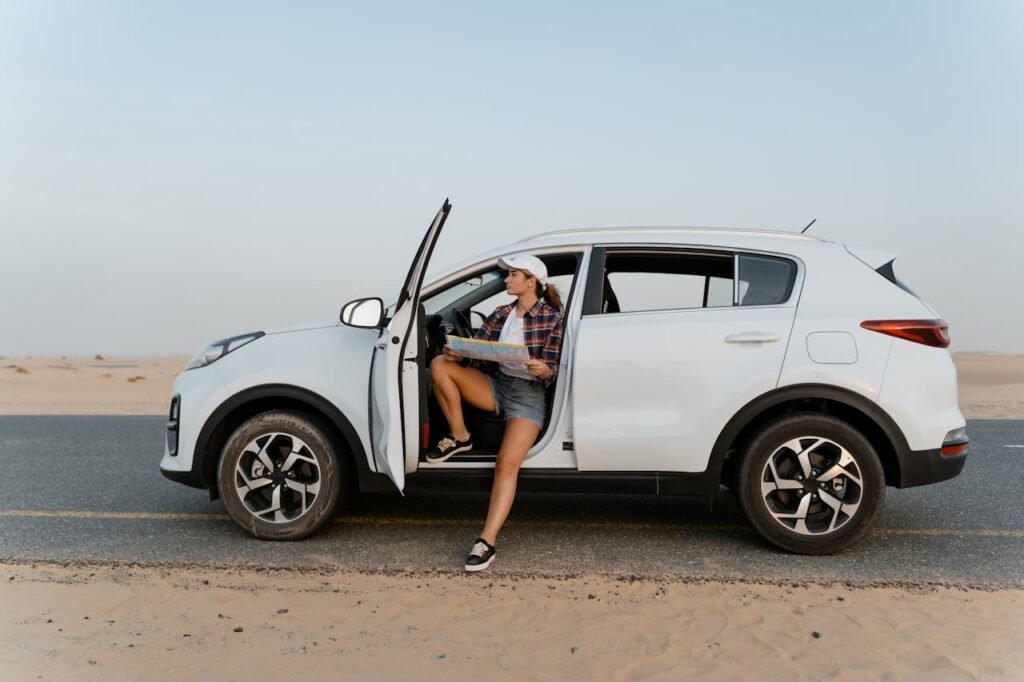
[765,280]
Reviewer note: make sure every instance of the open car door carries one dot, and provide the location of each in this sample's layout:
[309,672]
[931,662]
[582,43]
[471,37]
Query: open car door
[395,372]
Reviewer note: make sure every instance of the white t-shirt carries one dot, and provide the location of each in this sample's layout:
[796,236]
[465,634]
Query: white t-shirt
[512,332]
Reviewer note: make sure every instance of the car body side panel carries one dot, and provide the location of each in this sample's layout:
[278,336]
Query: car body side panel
[863,376]
[653,390]
[839,293]
[333,362]
[920,393]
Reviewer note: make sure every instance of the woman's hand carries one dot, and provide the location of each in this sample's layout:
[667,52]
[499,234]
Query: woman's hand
[451,355]
[538,369]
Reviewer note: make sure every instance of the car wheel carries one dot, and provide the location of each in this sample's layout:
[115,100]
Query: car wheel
[279,476]
[811,484]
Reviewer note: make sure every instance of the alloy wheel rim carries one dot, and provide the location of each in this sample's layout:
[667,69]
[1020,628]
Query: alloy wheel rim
[812,485]
[277,477]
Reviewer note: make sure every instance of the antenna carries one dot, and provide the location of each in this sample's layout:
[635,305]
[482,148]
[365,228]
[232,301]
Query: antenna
[808,226]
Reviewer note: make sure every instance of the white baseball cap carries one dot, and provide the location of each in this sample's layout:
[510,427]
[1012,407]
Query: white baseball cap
[535,266]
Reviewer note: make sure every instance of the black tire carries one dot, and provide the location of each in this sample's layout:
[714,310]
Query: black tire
[308,485]
[838,508]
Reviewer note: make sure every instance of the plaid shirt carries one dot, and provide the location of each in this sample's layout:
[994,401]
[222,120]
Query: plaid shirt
[542,331]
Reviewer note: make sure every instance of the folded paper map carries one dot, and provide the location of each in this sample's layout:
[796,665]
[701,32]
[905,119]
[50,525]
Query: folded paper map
[488,350]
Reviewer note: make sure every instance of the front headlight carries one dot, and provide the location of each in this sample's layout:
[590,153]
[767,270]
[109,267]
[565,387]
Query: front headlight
[218,349]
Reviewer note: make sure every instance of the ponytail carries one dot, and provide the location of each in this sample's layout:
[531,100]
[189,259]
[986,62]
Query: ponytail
[550,295]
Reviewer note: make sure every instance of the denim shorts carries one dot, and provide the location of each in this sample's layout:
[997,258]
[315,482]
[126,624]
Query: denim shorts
[518,398]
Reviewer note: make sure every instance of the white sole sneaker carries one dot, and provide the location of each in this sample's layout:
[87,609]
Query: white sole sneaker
[446,457]
[480,567]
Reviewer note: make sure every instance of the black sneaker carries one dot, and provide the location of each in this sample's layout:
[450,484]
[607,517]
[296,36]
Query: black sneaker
[448,446]
[481,556]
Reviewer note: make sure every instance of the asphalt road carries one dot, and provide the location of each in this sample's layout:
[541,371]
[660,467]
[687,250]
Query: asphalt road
[88,489]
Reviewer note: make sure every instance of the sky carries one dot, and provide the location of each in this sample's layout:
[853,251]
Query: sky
[177,172]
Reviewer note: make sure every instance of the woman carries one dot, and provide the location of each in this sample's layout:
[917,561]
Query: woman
[513,390]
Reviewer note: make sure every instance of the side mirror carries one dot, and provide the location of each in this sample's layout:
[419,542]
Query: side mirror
[363,312]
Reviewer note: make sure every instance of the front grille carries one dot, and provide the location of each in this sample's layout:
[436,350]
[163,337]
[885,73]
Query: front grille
[172,426]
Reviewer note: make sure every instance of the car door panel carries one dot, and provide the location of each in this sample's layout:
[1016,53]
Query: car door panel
[394,391]
[653,390]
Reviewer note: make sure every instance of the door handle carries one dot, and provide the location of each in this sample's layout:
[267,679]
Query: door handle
[752,337]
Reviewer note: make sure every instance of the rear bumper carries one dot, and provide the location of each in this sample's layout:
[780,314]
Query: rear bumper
[921,467]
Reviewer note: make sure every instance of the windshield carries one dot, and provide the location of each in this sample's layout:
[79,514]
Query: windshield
[442,299]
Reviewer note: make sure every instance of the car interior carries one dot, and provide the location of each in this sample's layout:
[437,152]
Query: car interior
[460,310]
[645,280]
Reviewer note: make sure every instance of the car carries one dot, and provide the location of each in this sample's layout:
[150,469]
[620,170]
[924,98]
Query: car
[800,373]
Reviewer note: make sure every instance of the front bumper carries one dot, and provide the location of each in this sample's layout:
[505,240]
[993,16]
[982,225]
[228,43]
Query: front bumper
[191,478]
[196,394]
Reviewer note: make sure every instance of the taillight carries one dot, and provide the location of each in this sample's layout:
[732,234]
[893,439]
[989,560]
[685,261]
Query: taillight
[929,332]
[953,450]
[955,443]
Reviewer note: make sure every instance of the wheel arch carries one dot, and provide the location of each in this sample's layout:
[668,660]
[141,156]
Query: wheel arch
[230,414]
[860,412]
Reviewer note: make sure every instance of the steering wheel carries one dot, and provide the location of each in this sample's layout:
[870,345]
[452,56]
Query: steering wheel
[462,326]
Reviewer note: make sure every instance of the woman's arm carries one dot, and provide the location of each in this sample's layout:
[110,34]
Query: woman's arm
[552,350]
[486,332]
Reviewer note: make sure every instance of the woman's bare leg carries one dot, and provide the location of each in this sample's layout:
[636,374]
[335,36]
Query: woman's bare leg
[454,383]
[520,435]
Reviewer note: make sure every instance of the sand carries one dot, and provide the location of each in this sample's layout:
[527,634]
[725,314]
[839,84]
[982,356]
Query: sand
[113,623]
[69,385]
[110,623]
[991,386]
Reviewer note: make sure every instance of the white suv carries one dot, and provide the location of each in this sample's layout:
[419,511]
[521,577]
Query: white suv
[794,370]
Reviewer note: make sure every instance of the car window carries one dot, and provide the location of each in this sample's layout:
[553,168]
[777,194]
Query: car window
[719,292]
[562,284]
[765,280]
[665,280]
[484,291]
[487,306]
[466,288]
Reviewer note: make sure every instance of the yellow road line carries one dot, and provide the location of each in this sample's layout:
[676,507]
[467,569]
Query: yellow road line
[128,516]
[441,522]
[952,532]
